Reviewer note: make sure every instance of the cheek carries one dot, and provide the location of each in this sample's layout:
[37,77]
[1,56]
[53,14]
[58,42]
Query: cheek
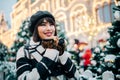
[54,30]
[40,31]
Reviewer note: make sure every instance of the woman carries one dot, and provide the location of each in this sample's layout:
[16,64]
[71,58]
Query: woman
[44,57]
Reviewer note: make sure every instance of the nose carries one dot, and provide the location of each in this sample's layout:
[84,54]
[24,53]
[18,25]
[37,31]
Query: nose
[48,27]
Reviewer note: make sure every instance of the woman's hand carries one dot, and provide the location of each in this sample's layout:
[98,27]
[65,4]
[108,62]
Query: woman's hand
[61,46]
[54,43]
[50,43]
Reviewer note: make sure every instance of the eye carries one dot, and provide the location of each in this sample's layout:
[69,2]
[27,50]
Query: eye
[42,24]
[51,24]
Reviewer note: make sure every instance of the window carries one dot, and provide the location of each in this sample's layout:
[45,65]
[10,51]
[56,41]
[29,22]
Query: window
[105,13]
[100,15]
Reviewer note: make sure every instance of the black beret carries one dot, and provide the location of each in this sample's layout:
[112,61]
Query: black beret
[38,15]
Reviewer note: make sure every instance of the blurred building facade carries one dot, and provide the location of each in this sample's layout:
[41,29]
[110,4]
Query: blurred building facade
[85,20]
[3,24]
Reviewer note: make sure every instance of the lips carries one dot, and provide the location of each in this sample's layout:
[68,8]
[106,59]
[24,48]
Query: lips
[48,34]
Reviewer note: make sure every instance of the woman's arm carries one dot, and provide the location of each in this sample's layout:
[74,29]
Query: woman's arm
[69,67]
[24,68]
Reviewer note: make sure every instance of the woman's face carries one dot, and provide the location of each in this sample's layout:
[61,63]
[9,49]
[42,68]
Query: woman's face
[46,30]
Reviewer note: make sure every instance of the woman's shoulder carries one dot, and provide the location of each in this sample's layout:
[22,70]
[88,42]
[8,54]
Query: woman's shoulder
[20,52]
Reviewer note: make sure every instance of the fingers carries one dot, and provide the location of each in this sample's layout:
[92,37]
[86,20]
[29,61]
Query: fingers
[56,40]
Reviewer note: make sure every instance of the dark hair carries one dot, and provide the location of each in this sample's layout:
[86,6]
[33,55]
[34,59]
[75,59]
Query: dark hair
[36,36]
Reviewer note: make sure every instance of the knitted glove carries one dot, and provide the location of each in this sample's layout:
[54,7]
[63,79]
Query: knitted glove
[54,44]
[61,46]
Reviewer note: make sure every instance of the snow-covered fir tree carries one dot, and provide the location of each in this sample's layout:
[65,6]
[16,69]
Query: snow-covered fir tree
[106,62]
[22,37]
[3,52]
[96,60]
[112,48]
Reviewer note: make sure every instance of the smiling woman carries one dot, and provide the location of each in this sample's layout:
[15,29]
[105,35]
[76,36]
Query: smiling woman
[45,29]
[44,58]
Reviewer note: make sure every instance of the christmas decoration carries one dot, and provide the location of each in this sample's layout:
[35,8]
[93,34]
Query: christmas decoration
[96,61]
[118,43]
[87,58]
[76,51]
[117,15]
[107,75]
